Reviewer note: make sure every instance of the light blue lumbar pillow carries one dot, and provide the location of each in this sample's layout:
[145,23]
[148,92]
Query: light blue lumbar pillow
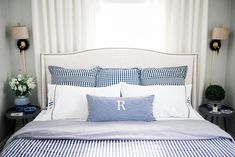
[164,76]
[111,76]
[120,109]
[73,77]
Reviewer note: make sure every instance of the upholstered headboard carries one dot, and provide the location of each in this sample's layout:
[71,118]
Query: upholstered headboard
[117,58]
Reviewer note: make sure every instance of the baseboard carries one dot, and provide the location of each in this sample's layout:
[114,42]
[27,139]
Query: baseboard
[2,143]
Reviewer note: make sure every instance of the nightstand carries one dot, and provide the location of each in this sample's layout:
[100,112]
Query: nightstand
[25,118]
[216,117]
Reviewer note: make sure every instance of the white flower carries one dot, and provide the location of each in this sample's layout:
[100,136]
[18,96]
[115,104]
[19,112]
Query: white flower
[12,85]
[30,79]
[14,80]
[19,77]
[20,88]
[31,85]
[22,84]
[24,88]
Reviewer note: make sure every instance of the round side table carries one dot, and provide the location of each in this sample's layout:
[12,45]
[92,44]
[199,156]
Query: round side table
[215,117]
[24,118]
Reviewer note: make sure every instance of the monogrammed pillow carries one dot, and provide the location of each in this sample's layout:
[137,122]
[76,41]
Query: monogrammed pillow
[120,109]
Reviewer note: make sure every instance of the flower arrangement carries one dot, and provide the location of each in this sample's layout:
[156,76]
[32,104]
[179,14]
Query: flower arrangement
[22,85]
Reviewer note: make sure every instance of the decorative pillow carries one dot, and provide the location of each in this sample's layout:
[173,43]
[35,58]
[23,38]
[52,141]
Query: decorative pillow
[73,77]
[170,101]
[69,102]
[110,76]
[164,76]
[120,109]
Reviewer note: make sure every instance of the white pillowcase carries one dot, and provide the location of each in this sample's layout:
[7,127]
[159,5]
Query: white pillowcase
[70,101]
[170,101]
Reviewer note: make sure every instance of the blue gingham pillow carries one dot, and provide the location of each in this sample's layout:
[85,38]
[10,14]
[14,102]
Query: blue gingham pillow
[164,76]
[110,76]
[120,109]
[73,77]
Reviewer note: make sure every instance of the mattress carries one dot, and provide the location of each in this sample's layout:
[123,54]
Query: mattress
[161,138]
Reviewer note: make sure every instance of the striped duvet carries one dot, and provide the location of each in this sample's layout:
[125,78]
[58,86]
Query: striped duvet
[120,139]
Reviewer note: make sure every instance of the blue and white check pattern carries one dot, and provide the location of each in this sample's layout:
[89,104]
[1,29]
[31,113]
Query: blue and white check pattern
[219,147]
[164,76]
[106,108]
[111,76]
[73,77]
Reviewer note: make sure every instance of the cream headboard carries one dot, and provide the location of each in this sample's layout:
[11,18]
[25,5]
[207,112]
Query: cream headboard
[117,58]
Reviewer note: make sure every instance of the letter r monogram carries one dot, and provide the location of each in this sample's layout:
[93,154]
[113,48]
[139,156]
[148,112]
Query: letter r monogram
[120,104]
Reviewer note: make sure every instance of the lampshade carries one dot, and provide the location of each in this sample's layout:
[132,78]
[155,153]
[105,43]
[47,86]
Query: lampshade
[220,33]
[19,32]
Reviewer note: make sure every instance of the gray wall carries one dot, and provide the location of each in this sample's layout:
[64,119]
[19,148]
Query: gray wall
[230,73]
[20,11]
[218,14]
[5,66]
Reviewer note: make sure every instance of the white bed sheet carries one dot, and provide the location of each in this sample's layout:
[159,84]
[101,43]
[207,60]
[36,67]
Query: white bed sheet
[45,115]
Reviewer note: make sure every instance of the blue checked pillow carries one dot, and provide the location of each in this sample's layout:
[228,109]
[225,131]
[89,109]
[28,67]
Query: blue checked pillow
[73,77]
[120,108]
[110,76]
[164,76]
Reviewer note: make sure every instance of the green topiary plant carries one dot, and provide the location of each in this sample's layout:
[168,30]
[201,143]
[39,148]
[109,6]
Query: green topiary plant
[215,93]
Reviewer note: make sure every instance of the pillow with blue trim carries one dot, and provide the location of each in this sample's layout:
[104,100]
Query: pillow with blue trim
[111,76]
[120,108]
[73,77]
[164,76]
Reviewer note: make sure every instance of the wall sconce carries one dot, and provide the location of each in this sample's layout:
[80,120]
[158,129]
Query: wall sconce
[21,34]
[218,34]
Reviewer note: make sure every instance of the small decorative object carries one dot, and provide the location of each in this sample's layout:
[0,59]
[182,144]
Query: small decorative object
[22,85]
[227,111]
[18,114]
[215,94]
[215,108]
[29,110]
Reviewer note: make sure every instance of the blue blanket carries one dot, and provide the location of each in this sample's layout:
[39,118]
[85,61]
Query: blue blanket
[160,138]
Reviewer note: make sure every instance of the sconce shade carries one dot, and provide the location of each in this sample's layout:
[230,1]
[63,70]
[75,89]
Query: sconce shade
[19,32]
[220,33]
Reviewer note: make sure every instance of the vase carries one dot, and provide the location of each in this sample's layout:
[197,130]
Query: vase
[21,102]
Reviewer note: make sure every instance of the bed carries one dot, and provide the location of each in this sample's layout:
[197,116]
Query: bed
[53,135]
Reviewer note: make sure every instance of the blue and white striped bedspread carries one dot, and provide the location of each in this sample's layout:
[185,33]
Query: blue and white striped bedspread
[137,139]
[120,148]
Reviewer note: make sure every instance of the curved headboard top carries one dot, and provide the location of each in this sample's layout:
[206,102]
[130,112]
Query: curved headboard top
[117,58]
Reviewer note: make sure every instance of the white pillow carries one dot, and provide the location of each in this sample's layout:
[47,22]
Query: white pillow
[170,101]
[68,102]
